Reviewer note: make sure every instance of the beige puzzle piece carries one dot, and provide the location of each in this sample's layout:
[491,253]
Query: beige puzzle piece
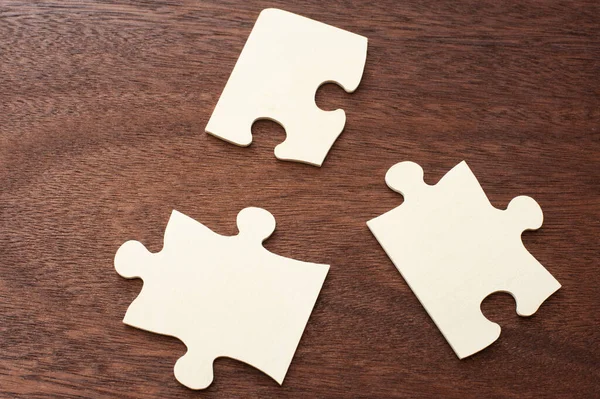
[454,249]
[222,296]
[285,59]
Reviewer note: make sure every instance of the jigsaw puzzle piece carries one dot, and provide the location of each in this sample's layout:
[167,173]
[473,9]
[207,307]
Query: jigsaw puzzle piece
[284,61]
[454,249]
[222,296]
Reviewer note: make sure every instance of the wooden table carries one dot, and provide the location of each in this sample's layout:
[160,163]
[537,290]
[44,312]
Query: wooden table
[102,113]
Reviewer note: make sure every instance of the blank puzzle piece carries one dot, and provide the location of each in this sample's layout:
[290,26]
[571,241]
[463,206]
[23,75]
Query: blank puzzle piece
[454,248]
[286,58]
[222,296]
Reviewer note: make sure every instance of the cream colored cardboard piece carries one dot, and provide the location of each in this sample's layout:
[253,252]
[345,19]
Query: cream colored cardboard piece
[222,296]
[285,60]
[454,248]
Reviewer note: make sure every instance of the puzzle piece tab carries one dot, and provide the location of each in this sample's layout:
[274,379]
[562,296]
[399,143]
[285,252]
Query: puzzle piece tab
[285,60]
[454,248]
[222,296]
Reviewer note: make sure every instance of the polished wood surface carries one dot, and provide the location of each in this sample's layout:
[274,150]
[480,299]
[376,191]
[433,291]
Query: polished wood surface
[102,113]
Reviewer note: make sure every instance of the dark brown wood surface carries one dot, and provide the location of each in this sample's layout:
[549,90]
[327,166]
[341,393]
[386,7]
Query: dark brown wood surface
[102,113]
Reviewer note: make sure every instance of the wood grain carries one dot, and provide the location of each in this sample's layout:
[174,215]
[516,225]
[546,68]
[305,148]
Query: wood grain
[102,111]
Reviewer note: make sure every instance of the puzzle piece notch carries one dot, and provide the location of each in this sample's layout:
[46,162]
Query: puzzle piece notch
[454,249]
[285,60]
[222,296]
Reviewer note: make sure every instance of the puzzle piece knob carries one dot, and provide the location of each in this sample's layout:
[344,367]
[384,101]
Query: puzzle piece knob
[131,259]
[255,223]
[194,371]
[526,213]
[311,143]
[405,178]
